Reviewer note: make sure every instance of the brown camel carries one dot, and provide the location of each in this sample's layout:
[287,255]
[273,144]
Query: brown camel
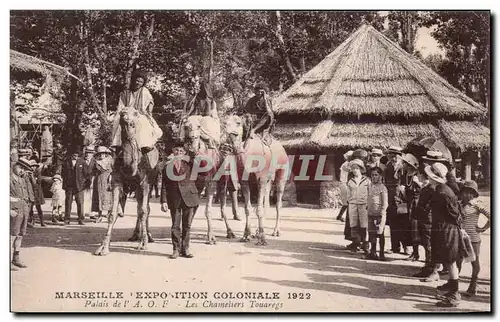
[260,164]
[131,170]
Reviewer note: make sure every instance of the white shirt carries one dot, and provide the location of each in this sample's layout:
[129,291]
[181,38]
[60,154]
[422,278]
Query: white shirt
[344,171]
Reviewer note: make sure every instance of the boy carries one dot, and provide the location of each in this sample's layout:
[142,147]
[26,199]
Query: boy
[357,195]
[180,195]
[377,213]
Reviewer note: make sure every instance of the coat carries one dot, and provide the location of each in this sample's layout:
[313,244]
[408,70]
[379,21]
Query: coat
[101,193]
[76,178]
[36,178]
[173,192]
[19,192]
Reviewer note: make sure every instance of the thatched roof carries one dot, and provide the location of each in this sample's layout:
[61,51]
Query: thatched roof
[465,135]
[23,62]
[294,136]
[369,75]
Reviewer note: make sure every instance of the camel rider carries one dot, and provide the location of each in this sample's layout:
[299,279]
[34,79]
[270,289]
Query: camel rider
[138,97]
[204,104]
[262,116]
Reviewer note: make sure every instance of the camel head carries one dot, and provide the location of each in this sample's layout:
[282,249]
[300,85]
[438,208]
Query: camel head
[192,127]
[128,121]
[233,126]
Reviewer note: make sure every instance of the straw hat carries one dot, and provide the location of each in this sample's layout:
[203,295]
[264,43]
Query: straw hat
[434,156]
[57,177]
[33,163]
[436,172]
[102,149]
[358,163]
[377,152]
[89,149]
[24,152]
[24,163]
[394,150]
[472,185]
[411,160]
[348,154]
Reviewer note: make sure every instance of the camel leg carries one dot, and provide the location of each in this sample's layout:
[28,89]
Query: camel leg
[150,236]
[280,190]
[142,211]
[222,193]
[208,208]
[261,238]
[245,188]
[234,205]
[103,249]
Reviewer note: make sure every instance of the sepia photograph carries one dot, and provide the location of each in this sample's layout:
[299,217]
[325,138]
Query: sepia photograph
[250,161]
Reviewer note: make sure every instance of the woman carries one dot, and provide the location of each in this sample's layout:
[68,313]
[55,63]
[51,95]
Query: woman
[138,97]
[101,194]
[446,227]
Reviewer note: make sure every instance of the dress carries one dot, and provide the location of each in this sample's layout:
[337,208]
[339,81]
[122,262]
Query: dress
[57,194]
[101,194]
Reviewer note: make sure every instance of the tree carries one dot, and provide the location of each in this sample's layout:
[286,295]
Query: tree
[465,36]
[403,27]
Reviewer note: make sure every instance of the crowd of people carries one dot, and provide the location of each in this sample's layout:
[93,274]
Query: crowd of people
[424,205]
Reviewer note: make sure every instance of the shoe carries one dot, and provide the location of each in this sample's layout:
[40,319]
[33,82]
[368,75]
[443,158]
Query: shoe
[13,268]
[92,217]
[452,300]
[67,222]
[42,224]
[17,262]
[175,254]
[431,278]
[443,272]
[423,273]
[55,220]
[382,258]
[187,255]
[371,256]
[30,225]
[81,223]
[392,251]
[471,291]
[413,257]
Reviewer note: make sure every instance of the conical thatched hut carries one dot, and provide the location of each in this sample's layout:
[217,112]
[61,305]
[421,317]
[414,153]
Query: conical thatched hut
[370,93]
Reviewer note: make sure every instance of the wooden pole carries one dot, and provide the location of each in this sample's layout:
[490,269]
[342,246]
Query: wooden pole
[468,167]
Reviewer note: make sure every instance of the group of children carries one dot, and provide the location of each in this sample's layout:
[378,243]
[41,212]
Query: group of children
[452,209]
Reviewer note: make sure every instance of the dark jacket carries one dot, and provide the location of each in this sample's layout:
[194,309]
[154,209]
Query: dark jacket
[19,189]
[444,206]
[173,192]
[76,178]
[423,209]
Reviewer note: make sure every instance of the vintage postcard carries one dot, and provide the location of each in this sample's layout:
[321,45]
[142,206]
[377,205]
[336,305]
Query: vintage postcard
[250,161]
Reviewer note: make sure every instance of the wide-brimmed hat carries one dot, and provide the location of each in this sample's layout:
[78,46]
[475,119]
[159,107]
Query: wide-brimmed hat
[25,163]
[33,163]
[436,172]
[348,154]
[89,149]
[434,156]
[57,177]
[394,150]
[472,185]
[377,152]
[410,159]
[22,152]
[358,163]
[102,149]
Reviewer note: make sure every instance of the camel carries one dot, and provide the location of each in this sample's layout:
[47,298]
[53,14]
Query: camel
[208,160]
[273,171]
[131,170]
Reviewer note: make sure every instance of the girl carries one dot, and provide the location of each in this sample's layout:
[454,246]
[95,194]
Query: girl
[357,195]
[57,193]
[471,212]
[377,213]
[446,219]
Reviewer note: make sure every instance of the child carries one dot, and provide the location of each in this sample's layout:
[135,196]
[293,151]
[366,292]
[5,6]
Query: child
[357,195]
[377,213]
[471,211]
[57,193]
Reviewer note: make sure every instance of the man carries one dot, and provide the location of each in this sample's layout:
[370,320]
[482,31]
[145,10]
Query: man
[87,194]
[344,173]
[35,177]
[375,156]
[19,210]
[262,116]
[75,176]
[180,195]
[139,98]
[392,183]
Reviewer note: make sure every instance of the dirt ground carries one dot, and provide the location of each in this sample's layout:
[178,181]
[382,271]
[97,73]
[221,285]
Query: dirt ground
[307,262]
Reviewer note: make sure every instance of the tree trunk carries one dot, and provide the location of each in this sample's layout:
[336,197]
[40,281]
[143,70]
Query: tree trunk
[135,53]
[302,64]
[282,48]
[211,61]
